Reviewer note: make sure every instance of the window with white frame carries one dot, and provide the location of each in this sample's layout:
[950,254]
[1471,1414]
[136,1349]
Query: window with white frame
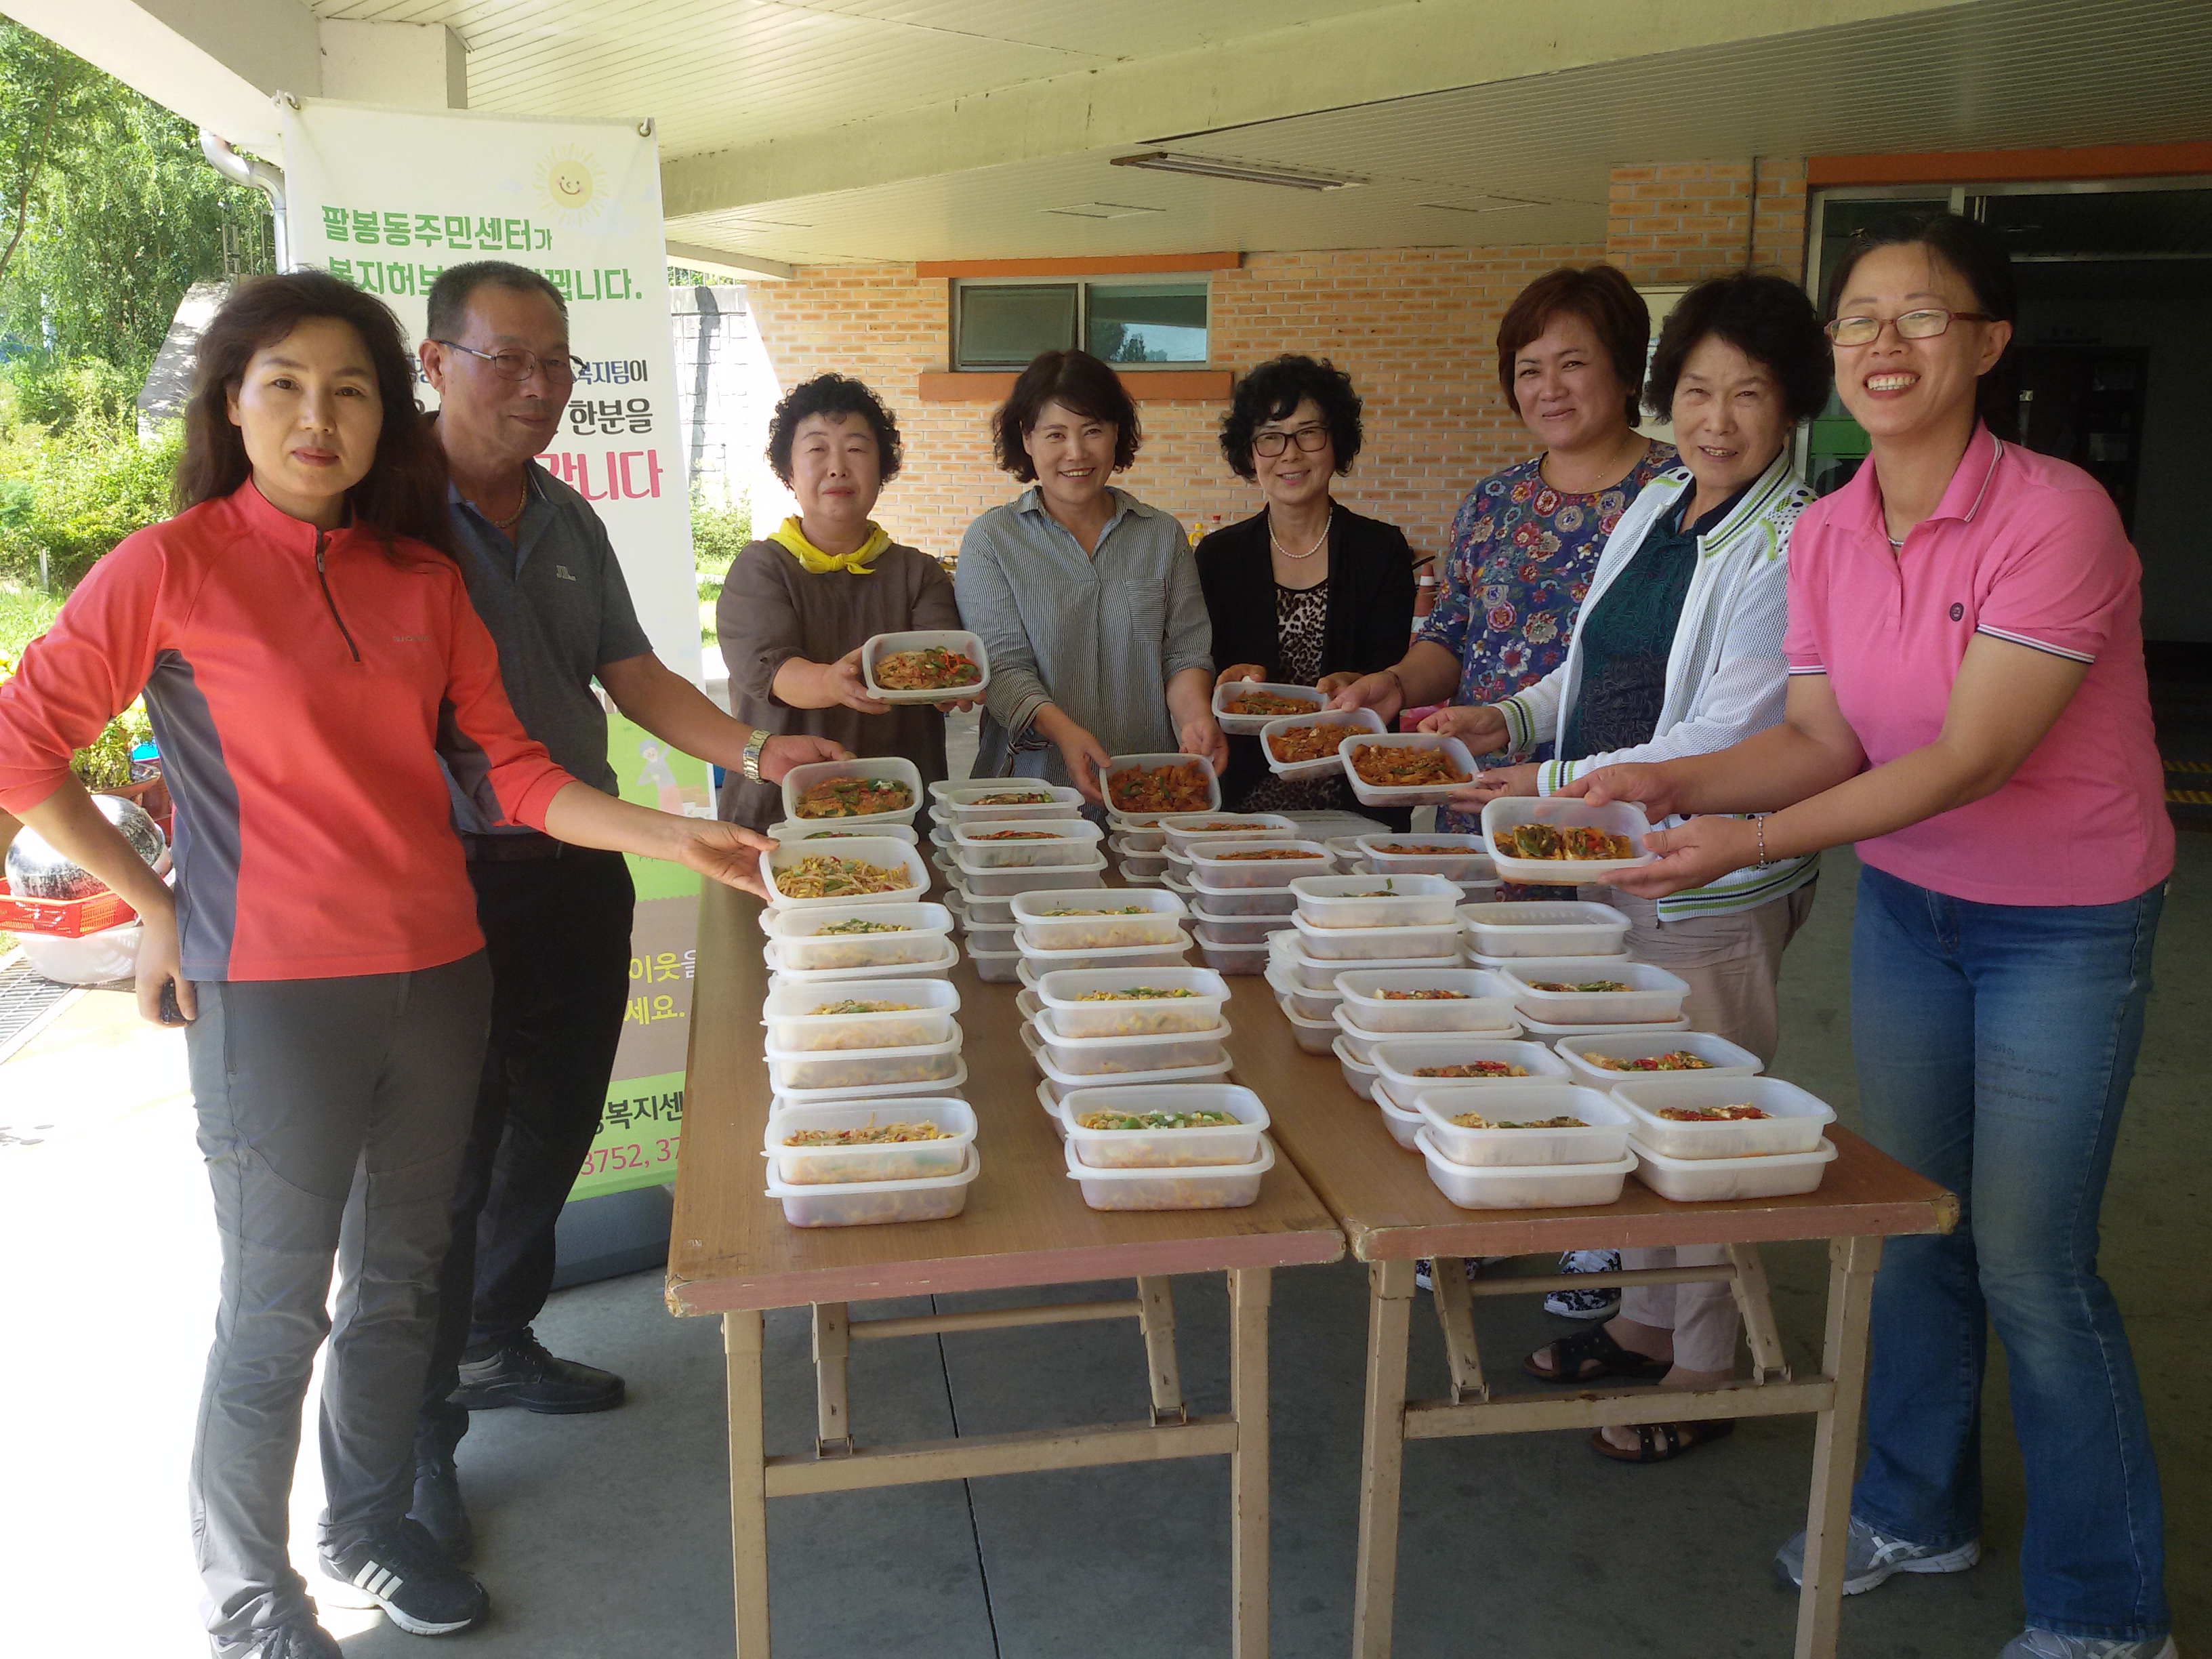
[1128,321]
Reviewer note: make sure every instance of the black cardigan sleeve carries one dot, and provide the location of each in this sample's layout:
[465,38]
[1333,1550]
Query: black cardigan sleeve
[1238,580]
[1371,597]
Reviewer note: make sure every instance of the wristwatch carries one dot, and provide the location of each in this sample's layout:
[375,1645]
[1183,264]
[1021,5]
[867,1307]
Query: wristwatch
[754,745]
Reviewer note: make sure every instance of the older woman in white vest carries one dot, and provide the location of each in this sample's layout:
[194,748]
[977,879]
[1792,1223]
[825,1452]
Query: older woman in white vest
[1677,650]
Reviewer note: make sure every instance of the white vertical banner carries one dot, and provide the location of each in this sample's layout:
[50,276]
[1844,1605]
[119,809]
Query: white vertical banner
[387,198]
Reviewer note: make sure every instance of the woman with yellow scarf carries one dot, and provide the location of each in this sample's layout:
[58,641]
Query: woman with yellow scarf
[797,606]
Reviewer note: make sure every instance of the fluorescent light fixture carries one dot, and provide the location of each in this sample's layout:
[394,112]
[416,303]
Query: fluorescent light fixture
[1489,204]
[1103,210]
[1242,172]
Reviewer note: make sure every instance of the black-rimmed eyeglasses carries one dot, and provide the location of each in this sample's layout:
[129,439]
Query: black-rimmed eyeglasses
[513,363]
[1311,440]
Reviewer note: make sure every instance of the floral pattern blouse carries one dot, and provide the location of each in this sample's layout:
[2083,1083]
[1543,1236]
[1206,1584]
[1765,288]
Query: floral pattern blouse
[1520,559]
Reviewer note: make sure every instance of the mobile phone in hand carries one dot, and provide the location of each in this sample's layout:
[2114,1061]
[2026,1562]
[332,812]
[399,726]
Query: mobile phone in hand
[171,1013]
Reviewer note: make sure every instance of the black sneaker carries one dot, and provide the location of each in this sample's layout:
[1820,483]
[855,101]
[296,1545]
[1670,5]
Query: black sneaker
[437,1506]
[522,1373]
[297,1638]
[401,1570]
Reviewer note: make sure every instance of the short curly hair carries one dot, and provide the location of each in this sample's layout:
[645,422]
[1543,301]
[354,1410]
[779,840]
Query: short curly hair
[1602,296]
[1073,379]
[1272,391]
[833,395]
[1767,318]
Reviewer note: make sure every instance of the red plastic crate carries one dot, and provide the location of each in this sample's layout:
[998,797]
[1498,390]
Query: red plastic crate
[63,918]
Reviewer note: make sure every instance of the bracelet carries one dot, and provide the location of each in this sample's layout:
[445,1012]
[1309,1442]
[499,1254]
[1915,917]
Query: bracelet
[754,745]
[1759,824]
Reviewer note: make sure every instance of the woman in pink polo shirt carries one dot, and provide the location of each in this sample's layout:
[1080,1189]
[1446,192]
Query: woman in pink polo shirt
[1967,703]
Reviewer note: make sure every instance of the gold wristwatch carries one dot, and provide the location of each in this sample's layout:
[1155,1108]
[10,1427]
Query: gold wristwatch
[754,745]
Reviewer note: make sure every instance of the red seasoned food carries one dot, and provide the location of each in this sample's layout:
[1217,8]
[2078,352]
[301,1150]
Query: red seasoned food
[1183,788]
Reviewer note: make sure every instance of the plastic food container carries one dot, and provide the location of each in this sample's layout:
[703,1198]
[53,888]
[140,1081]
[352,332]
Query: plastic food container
[1064,993]
[1551,1033]
[1187,832]
[782,1100]
[991,909]
[1414,900]
[1036,963]
[1400,1060]
[867,1204]
[1134,863]
[1109,1056]
[1358,1077]
[1315,973]
[795,1027]
[1376,944]
[1225,957]
[1522,1186]
[822,830]
[1064,1083]
[781,975]
[984,937]
[1469,862]
[1318,1006]
[1794,1125]
[985,881]
[1248,725]
[1119,763]
[1048,1098]
[804,942]
[1159,920]
[1702,1180]
[1202,1188]
[996,967]
[1355,721]
[1602,1140]
[904,1160]
[1137,834]
[1485,1002]
[1238,930]
[1423,795]
[1166,1149]
[1722,1057]
[1403,1125]
[873,650]
[1143,878]
[1242,901]
[1618,818]
[1653,993]
[892,768]
[863,1068]
[1315,1037]
[1538,929]
[878,850]
[1066,840]
[965,803]
[1213,865]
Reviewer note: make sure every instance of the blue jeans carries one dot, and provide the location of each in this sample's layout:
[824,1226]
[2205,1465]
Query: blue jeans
[1995,1044]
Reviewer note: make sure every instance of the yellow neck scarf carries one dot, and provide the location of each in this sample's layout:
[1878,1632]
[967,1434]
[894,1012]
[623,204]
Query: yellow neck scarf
[792,538]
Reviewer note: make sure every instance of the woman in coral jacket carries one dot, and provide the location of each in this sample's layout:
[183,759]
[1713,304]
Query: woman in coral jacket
[307,654]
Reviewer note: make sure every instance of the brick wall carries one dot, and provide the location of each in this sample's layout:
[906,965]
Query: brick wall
[1680,222]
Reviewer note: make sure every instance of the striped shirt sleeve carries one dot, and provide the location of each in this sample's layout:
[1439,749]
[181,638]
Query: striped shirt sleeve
[2063,588]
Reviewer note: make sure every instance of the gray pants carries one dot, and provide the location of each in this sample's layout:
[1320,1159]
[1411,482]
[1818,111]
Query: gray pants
[312,1093]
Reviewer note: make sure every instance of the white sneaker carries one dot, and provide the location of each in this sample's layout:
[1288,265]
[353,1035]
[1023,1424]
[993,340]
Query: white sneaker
[2048,1644]
[1869,1558]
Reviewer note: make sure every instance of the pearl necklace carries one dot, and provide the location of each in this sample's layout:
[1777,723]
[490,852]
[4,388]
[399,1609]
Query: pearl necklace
[1311,551]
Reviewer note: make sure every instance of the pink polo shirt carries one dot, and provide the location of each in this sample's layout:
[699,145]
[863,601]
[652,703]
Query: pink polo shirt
[2027,549]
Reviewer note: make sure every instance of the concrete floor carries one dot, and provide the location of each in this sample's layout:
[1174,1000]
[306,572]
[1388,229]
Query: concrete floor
[606,1535]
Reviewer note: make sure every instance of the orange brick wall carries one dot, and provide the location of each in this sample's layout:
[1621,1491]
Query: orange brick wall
[1680,221]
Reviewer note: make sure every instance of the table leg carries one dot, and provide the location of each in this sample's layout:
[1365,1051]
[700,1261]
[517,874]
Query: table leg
[1381,1453]
[1755,1302]
[1250,1290]
[1455,1313]
[1851,1264]
[1156,1313]
[833,1417]
[741,1347]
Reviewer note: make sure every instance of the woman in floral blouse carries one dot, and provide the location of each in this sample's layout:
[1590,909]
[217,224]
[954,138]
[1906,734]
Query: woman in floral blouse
[1524,545]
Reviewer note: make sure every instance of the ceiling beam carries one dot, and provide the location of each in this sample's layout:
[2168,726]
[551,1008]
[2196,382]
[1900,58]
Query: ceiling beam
[723,262]
[1365,57]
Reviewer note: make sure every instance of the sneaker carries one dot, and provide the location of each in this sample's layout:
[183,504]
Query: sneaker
[1586,1304]
[522,1373]
[437,1506]
[1869,1558]
[402,1571]
[1423,1276]
[297,1638]
[2048,1644]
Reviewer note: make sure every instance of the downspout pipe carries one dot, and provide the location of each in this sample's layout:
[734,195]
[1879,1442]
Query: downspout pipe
[256,174]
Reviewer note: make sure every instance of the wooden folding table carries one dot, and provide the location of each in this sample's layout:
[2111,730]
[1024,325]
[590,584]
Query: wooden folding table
[1391,1214]
[1025,1224]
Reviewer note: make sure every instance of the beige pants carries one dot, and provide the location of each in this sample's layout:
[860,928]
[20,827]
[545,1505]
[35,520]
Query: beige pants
[1731,963]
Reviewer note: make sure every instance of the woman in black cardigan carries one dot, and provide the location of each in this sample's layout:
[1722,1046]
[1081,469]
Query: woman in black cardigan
[1305,593]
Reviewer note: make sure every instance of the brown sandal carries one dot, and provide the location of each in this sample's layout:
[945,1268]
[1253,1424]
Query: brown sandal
[1594,1343]
[1656,1443]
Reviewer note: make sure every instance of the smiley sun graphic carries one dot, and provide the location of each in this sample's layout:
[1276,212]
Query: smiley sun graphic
[568,183]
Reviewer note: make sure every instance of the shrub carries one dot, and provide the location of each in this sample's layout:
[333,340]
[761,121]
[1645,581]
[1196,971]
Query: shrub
[77,482]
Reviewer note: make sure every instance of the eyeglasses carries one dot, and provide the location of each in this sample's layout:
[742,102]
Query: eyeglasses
[512,363]
[1923,324]
[1312,440]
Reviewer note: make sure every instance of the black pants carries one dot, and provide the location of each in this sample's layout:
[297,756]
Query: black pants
[557,933]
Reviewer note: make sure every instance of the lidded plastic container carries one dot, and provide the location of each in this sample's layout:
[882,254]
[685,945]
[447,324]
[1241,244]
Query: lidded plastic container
[1119,764]
[1793,1124]
[996,967]
[1216,1187]
[1551,1033]
[879,851]
[1193,1003]
[1403,1124]
[804,1019]
[1247,725]
[1187,832]
[1353,722]
[948,957]
[1408,1064]
[1036,963]
[1234,1143]
[1392,855]
[989,881]
[1025,843]
[1315,1036]
[1542,929]
[966,802]
[821,831]
[1522,1186]
[863,1068]
[1653,993]
[1705,1180]
[1409,901]
[1134,863]
[1483,1001]
[1363,1042]
[1061,1083]
[1358,1077]
[1601,1137]
[1242,901]
[1108,1056]
[1619,818]
[1376,944]
[874,649]
[810,940]
[899,1160]
[1269,863]
[1139,836]
[1318,1006]
[862,1204]
[1228,957]
[782,1100]
[1314,972]
[1237,930]
[1427,794]
[890,768]
[1131,917]
[1723,1058]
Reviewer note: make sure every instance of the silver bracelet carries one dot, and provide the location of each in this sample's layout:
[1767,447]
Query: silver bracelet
[1758,823]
